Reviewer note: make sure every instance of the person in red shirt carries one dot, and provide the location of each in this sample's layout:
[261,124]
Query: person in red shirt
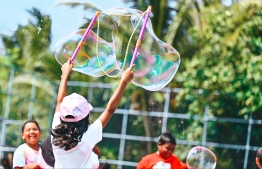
[259,158]
[164,157]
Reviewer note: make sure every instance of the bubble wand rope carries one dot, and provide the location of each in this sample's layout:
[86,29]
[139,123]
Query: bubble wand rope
[84,37]
[142,16]
[138,43]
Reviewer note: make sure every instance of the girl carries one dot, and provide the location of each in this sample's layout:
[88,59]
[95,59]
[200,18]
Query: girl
[25,156]
[46,159]
[73,138]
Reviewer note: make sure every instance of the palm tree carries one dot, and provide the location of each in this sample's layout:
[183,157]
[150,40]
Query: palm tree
[28,51]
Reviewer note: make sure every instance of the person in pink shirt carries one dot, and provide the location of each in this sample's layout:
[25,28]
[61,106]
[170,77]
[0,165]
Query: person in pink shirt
[25,156]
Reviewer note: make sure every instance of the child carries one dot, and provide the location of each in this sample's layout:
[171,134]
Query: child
[46,159]
[25,156]
[164,157]
[259,158]
[72,137]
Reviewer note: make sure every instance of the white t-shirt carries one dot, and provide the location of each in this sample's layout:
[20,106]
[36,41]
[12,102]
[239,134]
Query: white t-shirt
[95,160]
[41,162]
[81,155]
[24,155]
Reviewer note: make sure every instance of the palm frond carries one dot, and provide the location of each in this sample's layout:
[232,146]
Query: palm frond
[86,5]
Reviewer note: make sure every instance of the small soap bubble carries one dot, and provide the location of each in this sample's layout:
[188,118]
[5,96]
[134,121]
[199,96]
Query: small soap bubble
[201,158]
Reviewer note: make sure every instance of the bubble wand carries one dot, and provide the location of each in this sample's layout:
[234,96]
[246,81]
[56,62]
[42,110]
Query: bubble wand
[84,37]
[138,43]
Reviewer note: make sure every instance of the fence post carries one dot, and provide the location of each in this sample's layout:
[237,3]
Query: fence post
[9,93]
[166,109]
[32,99]
[250,121]
[204,136]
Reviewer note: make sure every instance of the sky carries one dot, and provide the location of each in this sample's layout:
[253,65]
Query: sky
[64,19]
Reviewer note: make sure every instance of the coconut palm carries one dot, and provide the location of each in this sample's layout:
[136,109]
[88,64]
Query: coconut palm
[28,51]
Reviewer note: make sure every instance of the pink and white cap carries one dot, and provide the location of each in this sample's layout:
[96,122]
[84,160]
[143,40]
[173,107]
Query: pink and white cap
[74,105]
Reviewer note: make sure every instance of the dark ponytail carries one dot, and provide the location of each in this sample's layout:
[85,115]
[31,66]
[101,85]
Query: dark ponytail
[67,134]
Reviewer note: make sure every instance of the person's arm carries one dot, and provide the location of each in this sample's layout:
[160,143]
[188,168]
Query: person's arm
[183,165]
[32,166]
[19,158]
[141,164]
[117,96]
[66,69]
[96,150]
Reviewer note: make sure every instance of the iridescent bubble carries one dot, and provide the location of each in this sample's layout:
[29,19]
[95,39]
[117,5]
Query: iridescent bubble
[87,61]
[109,48]
[201,158]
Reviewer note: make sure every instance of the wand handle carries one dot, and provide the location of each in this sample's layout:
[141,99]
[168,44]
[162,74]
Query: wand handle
[84,37]
[138,43]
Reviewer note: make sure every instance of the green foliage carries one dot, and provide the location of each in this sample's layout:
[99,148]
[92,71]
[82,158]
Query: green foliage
[225,72]
[228,64]
[13,135]
[109,148]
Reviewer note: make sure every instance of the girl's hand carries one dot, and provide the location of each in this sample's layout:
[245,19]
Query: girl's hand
[32,166]
[66,68]
[128,75]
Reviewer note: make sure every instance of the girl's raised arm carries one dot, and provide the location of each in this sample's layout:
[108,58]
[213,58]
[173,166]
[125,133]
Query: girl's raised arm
[117,96]
[66,69]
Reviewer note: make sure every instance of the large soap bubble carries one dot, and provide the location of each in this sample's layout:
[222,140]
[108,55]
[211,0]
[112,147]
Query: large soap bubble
[86,60]
[201,158]
[109,47]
